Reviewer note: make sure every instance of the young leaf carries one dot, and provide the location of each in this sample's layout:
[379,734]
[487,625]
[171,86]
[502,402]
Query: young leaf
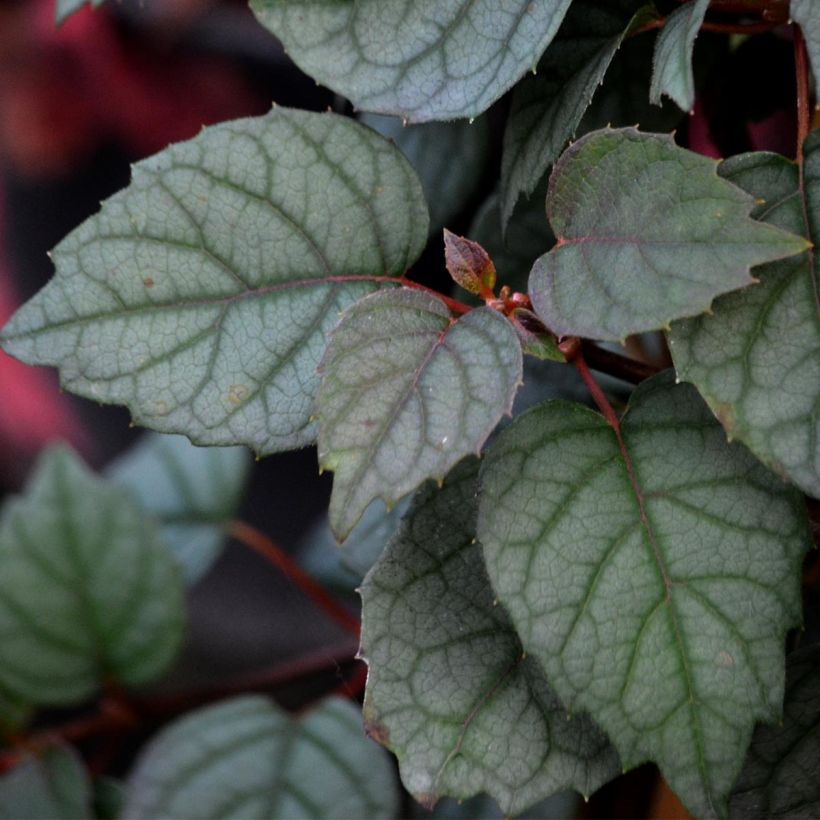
[449,690]
[780,775]
[449,158]
[547,108]
[756,361]
[647,233]
[806,13]
[54,784]
[672,64]
[406,393]
[419,59]
[65,8]
[468,264]
[629,574]
[88,591]
[191,492]
[247,758]
[202,296]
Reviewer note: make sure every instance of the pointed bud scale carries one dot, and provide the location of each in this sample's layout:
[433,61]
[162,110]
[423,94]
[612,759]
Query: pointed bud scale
[469,265]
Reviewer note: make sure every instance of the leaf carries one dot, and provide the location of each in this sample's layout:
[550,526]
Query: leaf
[780,775]
[88,590]
[468,264]
[419,59]
[66,8]
[191,492]
[756,361]
[806,13]
[202,296]
[449,690]
[672,64]
[247,758]
[655,583]
[547,108]
[55,784]
[449,158]
[647,233]
[406,393]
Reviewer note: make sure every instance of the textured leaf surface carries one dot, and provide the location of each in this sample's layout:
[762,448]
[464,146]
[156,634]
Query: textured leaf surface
[449,158]
[65,8]
[406,393]
[547,108]
[449,689]
[88,591]
[756,361]
[246,758]
[53,785]
[806,13]
[780,775]
[202,295]
[647,233]
[672,64]
[191,492]
[631,580]
[420,59]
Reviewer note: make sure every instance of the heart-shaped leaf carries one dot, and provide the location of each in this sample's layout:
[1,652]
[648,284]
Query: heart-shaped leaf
[780,775]
[191,492]
[406,393]
[547,108]
[247,758]
[449,690]
[202,296]
[647,233]
[419,59]
[88,591]
[756,360]
[654,577]
[672,64]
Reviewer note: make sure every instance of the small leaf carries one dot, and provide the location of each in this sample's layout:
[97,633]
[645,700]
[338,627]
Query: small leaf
[247,758]
[66,8]
[449,158]
[535,339]
[191,492]
[407,392]
[53,785]
[647,233]
[88,591]
[806,13]
[449,690]
[672,65]
[756,360]
[654,582]
[547,108]
[469,264]
[211,284]
[780,775]
[418,59]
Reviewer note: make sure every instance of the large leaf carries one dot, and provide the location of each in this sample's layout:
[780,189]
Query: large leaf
[672,73]
[246,758]
[407,392]
[756,360]
[65,8]
[419,59]
[647,233]
[449,158]
[202,295]
[449,689]
[52,785]
[780,775]
[191,492]
[806,13]
[654,582]
[88,591]
[547,107]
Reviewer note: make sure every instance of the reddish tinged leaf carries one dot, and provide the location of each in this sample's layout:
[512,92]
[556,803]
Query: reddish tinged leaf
[469,264]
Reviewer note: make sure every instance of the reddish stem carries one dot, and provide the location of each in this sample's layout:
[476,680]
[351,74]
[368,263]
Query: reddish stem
[455,306]
[596,392]
[268,549]
[801,65]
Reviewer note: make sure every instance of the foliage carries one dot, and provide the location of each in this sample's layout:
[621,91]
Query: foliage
[569,594]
